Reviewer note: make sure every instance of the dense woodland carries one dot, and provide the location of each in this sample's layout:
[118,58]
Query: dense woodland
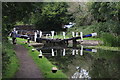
[52,16]
[100,17]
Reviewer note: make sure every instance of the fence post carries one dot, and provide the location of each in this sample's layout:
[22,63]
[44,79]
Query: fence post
[52,32]
[63,52]
[81,35]
[53,52]
[40,55]
[81,51]
[73,52]
[35,36]
[40,34]
[76,51]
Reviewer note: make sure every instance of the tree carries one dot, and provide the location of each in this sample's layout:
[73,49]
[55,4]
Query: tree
[52,16]
[103,11]
[13,12]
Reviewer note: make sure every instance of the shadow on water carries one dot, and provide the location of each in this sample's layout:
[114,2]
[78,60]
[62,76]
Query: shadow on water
[82,62]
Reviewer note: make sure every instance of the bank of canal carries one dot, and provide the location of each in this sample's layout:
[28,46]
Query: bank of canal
[43,63]
[90,63]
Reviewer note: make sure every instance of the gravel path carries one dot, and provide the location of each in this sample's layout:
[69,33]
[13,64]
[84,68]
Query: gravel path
[28,69]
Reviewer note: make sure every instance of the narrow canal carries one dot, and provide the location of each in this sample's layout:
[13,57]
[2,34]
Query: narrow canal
[83,62]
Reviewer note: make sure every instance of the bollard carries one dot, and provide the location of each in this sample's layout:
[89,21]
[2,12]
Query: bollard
[28,40]
[40,55]
[54,69]
[63,52]
[64,35]
[33,50]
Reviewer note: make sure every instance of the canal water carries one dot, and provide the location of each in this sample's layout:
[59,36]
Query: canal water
[84,62]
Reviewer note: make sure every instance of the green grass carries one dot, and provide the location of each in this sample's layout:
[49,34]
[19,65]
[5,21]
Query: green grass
[10,62]
[43,63]
[106,48]
[91,38]
[11,68]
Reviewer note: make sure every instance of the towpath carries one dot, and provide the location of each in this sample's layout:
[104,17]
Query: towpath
[27,69]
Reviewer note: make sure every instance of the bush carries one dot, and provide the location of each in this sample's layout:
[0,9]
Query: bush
[110,40]
[9,59]
[107,27]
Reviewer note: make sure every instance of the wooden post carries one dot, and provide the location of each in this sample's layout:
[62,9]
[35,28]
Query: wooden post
[52,32]
[81,35]
[81,51]
[40,34]
[73,52]
[63,52]
[35,36]
[76,51]
[53,52]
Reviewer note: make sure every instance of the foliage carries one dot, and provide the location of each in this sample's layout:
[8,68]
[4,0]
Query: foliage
[81,14]
[52,16]
[13,12]
[9,59]
[44,64]
[101,16]
[111,40]
[103,11]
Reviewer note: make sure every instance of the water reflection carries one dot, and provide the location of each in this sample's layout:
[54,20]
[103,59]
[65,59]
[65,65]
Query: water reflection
[92,63]
[53,51]
[81,73]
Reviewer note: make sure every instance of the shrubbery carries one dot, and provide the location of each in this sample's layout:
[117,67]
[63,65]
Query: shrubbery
[9,60]
[110,40]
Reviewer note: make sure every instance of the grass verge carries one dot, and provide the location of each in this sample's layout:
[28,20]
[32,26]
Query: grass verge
[106,48]
[43,63]
[9,61]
